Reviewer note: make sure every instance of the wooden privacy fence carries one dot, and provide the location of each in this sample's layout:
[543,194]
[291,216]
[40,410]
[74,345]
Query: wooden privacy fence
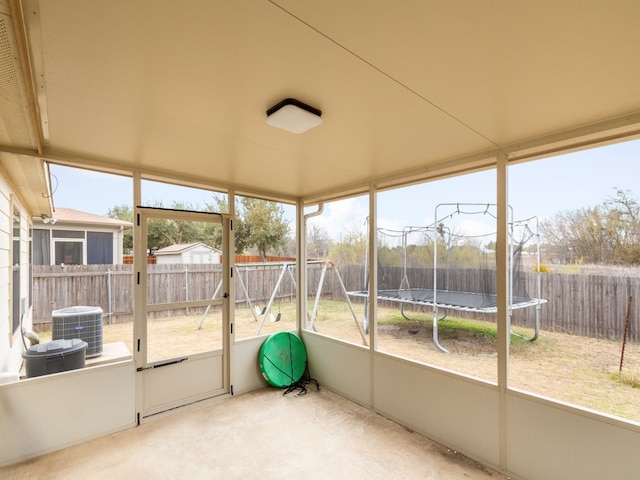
[110,287]
[588,305]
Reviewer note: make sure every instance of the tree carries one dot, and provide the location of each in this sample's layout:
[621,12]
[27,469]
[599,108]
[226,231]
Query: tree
[352,249]
[258,223]
[172,232]
[162,233]
[318,242]
[624,214]
[606,233]
[266,223]
[124,212]
[240,228]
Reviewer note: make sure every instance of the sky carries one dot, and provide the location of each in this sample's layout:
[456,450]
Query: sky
[540,188]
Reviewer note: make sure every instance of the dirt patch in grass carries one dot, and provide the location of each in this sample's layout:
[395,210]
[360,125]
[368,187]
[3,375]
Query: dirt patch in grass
[463,339]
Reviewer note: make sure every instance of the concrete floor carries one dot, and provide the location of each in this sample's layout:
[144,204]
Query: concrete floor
[261,434]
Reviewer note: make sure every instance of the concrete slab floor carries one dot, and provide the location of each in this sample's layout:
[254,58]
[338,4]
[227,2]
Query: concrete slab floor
[263,435]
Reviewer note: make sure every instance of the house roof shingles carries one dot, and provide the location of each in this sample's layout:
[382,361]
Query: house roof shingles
[181,247]
[72,216]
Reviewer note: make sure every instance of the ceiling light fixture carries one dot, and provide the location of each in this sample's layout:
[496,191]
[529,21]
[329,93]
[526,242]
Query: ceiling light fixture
[293,116]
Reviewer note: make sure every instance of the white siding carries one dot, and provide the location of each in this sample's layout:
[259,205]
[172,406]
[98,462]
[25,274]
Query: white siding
[199,254]
[11,346]
[6,351]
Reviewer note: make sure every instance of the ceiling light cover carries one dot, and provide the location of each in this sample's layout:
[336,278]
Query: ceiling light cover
[293,116]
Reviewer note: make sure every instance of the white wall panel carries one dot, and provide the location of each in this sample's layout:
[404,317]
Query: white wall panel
[245,375]
[341,367]
[459,412]
[43,414]
[7,354]
[553,441]
[177,384]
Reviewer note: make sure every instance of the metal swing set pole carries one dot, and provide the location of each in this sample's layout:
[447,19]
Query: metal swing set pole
[267,310]
[286,268]
[325,264]
[435,288]
[246,294]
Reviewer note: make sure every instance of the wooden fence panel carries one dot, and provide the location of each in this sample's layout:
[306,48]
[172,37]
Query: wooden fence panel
[56,287]
[588,305]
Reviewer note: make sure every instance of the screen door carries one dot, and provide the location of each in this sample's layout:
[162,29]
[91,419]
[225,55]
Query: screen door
[181,307]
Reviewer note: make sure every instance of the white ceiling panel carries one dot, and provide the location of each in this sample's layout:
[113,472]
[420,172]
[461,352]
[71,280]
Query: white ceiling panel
[181,88]
[509,70]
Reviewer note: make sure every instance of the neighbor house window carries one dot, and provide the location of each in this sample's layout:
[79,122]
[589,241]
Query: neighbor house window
[68,251]
[99,248]
[41,247]
[69,247]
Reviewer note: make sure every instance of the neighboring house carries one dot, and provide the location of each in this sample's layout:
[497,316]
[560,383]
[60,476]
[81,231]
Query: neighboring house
[187,253]
[72,237]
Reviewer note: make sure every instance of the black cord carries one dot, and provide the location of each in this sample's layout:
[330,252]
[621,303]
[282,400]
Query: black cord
[277,367]
[302,384]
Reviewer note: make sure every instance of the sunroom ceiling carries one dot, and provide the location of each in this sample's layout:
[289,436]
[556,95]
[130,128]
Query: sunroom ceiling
[180,89]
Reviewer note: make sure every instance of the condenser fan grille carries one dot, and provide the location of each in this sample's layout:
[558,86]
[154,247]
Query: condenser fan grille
[84,323]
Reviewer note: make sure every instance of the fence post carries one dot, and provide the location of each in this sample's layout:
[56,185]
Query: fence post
[109,313]
[186,286]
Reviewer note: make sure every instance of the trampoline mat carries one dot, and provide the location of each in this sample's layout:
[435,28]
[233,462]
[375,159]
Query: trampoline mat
[464,301]
[282,359]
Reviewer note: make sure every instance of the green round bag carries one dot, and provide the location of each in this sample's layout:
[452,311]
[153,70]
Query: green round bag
[282,359]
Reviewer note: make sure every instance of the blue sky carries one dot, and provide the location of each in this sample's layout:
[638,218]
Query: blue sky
[539,188]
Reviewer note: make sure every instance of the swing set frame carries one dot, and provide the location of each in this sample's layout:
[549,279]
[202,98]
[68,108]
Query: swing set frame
[287,268]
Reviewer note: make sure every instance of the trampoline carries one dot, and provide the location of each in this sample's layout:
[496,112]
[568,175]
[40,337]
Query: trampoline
[460,301]
[451,300]
[445,299]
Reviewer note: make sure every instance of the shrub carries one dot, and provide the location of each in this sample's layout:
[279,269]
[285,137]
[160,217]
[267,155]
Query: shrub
[542,268]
